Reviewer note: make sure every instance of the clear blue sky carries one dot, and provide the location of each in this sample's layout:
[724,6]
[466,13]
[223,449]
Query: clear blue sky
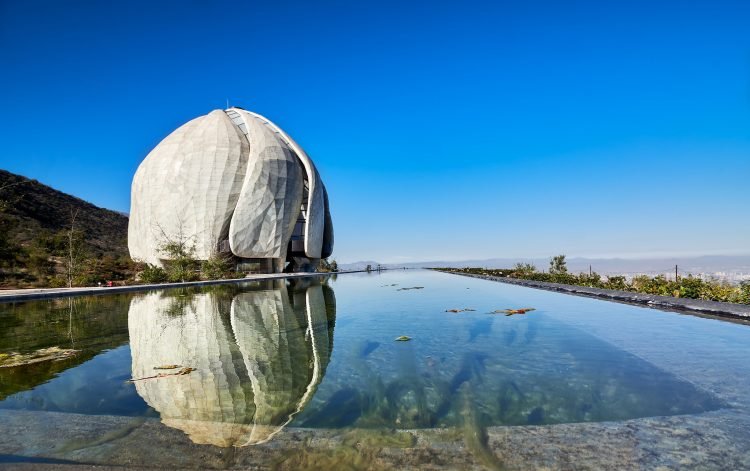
[442,130]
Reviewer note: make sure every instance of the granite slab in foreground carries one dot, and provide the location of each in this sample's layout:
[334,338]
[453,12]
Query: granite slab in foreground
[715,440]
[668,303]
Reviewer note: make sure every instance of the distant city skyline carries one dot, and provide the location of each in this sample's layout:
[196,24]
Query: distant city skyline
[443,131]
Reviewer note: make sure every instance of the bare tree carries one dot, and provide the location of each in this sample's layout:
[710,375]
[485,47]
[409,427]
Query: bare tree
[73,249]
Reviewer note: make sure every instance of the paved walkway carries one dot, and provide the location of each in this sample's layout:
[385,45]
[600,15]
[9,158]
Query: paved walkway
[43,293]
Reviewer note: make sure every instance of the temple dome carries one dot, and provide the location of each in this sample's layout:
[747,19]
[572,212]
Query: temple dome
[231,181]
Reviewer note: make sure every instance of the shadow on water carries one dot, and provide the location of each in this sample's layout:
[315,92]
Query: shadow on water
[481,327]
[474,429]
[471,370]
[342,409]
[532,329]
[368,348]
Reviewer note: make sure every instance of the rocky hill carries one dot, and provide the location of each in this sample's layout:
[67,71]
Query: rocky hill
[35,220]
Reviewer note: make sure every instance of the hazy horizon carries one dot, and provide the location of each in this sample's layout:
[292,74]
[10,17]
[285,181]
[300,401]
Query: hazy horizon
[641,257]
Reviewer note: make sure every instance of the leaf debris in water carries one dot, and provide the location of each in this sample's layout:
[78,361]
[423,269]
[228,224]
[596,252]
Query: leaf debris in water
[182,371]
[466,309]
[511,312]
[166,367]
[13,359]
[403,338]
[413,287]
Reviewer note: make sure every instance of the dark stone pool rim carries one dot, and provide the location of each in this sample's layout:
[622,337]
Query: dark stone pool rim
[32,294]
[737,312]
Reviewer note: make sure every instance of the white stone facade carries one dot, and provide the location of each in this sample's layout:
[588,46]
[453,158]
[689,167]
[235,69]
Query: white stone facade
[231,180]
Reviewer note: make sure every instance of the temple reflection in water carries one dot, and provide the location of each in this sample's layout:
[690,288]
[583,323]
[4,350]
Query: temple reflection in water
[259,354]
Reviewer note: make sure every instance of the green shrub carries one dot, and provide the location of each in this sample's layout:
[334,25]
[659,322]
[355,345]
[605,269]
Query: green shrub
[180,271]
[744,292]
[217,267]
[521,270]
[721,291]
[58,281]
[689,287]
[593,280]
[152,274]
[616,282]
[658,285]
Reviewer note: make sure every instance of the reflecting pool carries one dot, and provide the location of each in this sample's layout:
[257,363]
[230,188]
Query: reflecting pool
[306,373]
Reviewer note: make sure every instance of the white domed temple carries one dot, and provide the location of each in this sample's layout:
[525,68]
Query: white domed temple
[231,182]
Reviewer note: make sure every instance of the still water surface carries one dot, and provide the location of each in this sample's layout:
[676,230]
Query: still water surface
[320,353]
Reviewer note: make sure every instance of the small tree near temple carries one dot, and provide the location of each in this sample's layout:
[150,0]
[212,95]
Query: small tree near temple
[217,267]
[558,265]
[179,251]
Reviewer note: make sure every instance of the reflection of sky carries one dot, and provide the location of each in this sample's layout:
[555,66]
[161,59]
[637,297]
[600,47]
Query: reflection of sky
[546,358]
[98,386]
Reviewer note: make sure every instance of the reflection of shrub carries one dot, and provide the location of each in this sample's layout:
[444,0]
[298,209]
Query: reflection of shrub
[179,301]
[152,274]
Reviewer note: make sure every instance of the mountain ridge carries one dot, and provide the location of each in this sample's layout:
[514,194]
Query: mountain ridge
[41,207]
[35,222]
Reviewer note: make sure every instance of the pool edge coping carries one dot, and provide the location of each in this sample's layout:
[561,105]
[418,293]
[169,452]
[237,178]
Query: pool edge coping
[699,307]
[34,294]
